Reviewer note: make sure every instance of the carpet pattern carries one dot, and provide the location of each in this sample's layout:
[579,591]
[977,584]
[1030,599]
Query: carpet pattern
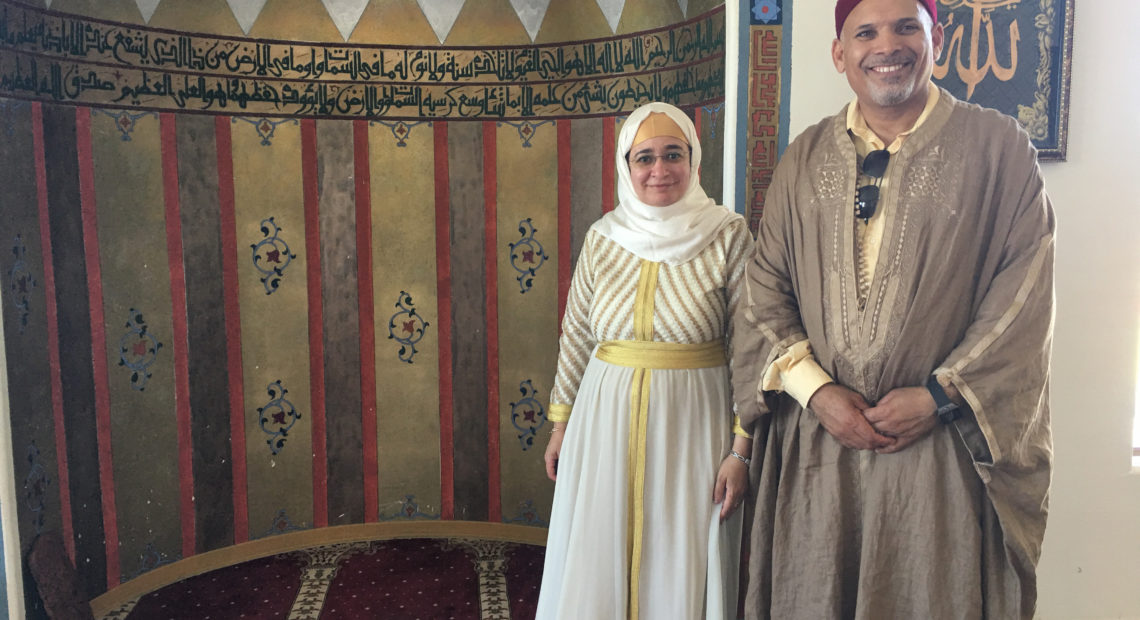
[402,579]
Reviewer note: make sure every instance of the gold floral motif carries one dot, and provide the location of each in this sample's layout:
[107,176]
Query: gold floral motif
[1035,118]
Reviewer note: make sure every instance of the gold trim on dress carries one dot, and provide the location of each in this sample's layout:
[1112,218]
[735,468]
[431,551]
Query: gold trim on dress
[737,429]
[643,302]
[645,356]
[639,415]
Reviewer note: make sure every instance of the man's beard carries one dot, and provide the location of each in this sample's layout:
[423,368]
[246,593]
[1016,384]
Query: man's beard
[894,93]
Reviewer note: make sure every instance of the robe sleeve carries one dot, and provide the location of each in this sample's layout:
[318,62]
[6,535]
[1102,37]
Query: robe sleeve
[1001,365]
[740,246]
[767,322]
[577,341]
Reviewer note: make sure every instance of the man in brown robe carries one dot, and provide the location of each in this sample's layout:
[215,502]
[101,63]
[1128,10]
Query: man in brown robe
[893,354]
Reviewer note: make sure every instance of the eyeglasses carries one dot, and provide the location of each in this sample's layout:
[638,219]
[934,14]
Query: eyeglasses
[867,196]
[645,161]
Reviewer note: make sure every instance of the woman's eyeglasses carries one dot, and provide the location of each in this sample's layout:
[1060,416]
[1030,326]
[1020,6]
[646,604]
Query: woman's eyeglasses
[867,196]
[644,161]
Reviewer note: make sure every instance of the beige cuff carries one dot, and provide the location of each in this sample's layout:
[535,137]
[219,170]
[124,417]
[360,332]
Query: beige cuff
[795,372]
[802,380]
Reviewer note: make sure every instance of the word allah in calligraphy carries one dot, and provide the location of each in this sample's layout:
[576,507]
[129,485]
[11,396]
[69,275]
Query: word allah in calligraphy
[973,70]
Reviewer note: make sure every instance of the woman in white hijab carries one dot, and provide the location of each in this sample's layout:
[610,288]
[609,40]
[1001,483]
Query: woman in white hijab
[649,462]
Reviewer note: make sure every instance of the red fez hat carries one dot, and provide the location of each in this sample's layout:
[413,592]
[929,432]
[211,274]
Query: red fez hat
[843,8]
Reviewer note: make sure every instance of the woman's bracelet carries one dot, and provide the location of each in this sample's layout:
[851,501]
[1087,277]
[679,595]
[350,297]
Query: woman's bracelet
[555,429]
[740,457]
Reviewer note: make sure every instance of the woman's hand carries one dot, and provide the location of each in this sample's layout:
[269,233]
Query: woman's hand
[553,449]
[731,485]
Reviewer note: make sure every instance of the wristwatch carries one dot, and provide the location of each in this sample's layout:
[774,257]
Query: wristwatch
[946,409]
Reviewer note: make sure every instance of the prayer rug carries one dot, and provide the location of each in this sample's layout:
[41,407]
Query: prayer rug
[401,579]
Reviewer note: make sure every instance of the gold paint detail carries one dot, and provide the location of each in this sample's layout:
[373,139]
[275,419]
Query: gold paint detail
[1035,118]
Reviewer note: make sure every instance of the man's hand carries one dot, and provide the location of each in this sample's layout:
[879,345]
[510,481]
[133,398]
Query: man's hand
[553,449]
[905,414]
[840,411]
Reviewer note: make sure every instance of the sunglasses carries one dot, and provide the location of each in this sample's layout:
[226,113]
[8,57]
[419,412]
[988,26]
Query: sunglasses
[867,196]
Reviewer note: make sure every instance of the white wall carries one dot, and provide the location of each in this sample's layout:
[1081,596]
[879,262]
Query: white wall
[1090,567]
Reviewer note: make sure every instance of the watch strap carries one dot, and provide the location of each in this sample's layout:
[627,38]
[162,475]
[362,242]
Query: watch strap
[946,409]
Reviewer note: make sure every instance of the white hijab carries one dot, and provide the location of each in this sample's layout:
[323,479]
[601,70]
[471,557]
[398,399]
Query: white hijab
[672,234]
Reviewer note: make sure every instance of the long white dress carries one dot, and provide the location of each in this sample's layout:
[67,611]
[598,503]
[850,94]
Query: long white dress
[684,560]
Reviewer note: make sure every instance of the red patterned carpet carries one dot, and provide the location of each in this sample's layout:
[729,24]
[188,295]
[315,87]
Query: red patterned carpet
[402,579]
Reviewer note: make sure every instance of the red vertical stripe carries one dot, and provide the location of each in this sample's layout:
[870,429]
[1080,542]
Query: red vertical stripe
[316,320]
[697,116]
[609,146]
[52,329]
[443,310]
[181,335]
[98,341]
[361,174]
[224,143]
[564,251]
[490,256]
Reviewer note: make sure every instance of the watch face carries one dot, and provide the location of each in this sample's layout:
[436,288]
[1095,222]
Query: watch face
[949,413]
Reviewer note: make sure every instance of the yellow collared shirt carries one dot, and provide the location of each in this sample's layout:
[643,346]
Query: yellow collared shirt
[870,235]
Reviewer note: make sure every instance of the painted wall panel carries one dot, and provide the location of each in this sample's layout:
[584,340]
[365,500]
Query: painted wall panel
[586,164]
[468,321]
[710,121]
[572,20]
[407,332]
[26,324]
[205,309]
[137,320]
[75,354]
[528,309]
[270,220]
[305,20]
[399,22]
[115,10]
[647,14]
[341,320]
[479,18]
[200,16]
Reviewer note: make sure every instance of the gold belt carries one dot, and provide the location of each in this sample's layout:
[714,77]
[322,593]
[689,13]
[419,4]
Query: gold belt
[662,355]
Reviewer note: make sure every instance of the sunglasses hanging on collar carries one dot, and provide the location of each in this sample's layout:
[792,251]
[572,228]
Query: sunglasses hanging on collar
[867,196]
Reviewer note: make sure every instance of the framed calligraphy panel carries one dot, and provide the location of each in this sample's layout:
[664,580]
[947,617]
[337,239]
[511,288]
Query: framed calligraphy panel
[1014,56]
